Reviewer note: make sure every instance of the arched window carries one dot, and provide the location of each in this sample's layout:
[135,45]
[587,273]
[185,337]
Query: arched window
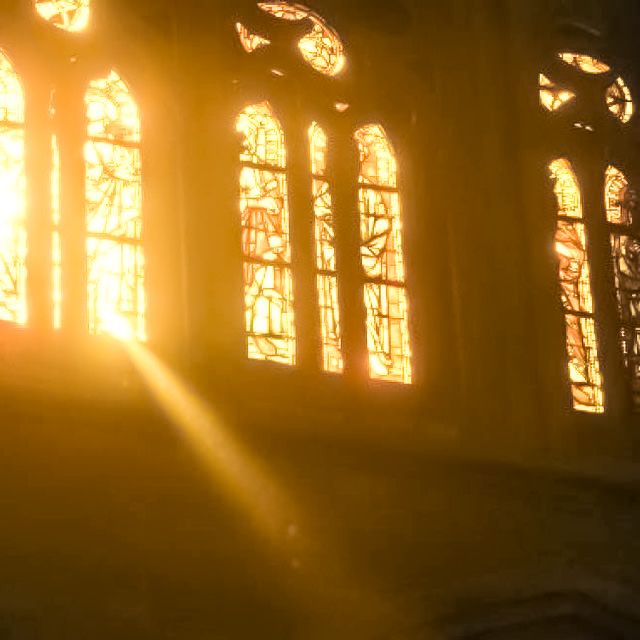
[264,208]
[382,258]
[13,234]
[326,261]
[384,326]
[587,310]
[115,257]
[576,293]
[625,247]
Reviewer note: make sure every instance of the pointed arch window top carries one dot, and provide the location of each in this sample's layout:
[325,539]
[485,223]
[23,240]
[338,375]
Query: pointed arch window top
[382,258]
[11,93]
[112,111]
[263,136]
[70,15]
[576,292]
[113,191]
[322,47]
[377,159]
[619,198]
[584,63]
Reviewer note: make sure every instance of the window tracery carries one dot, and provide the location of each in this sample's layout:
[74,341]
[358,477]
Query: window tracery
[115,256]
[268,278]
[250,41]
[70,15]
[584,63]
[326,265]
[620,201]
[382,258]
[576,292]
[620,101]
[553,97]
[13,235]
[322,47]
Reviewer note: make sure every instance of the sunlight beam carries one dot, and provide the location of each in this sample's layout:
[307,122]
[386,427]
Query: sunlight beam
[224,459]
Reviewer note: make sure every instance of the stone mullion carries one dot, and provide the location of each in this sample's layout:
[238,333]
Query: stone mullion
[70,124]
[301,212]
[343,177]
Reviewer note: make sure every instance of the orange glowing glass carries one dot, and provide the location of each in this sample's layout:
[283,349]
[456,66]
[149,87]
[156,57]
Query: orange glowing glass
[325,236]
[70,15]
[619,101]
[584,63]
[620,201]
[13,234]
[552,97]
[321,47]
[250,41]
[115,256]
[576,291]
[264,209]
[382,257]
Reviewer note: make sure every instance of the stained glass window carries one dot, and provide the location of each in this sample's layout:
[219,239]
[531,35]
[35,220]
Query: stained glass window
[584,63]
[576,293]
[553,97]
[620,200]
[13,235]
[70,15]
[327,274]
[115,257]
[264,208]
[250,41]
[382,258]
[619,101]
[322,47]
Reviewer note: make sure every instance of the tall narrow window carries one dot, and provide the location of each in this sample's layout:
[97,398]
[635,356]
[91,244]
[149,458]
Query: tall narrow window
[625,247]
[575,289]
[115,257]
[382,258]
[13,235]
[327,276]
[266,245]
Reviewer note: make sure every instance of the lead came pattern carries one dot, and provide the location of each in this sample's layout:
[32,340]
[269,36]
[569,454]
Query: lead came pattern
[70,15]
[327,276]
[268,279]
[115,258]
[625,248]
[576,294]
[385,293]
[13,235]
